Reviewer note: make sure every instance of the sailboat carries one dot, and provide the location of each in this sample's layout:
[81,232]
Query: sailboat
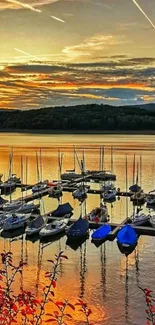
[40,186]
[8,186]
[127,239]
[56,191]
[63,211]
[54,227]
[138,198]
[35,226]
[15,221]
[13,178]
[81,192]
[139,218]
[20,206]
[109,190]
[78,229]
[71,173]
[135,187]
[98,214]
[101,234]
[150,199]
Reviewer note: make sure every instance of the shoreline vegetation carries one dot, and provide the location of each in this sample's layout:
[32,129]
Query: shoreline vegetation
[78,132]
[81,119]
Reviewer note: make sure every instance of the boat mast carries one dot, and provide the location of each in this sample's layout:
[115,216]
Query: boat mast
[26,173]
[140,171]
[102,164]
[41,169]
[22,177]
[10,162]
[78,159]
[112,163]
[74,160]
[126,170]
[137,173]
[100,154]
[59,165]
[37,162]
[83,158]
[134,165]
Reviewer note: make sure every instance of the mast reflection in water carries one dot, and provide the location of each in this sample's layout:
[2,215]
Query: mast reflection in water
[83,268]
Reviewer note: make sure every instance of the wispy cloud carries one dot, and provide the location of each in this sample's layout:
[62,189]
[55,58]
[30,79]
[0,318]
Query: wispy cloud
[96,3]
[24,5]
[143,12]
[58,19]
[25,53]
[92,45]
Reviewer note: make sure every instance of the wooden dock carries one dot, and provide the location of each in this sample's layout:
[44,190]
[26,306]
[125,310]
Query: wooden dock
[70,186]
[140,230]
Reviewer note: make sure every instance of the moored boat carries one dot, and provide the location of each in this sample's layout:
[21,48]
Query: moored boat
[135,188]
[39,187]
[101,234]
[126,239]
[28,207]
[80,193]
[140,219]
[7,187]
[54,227]
[55,191]
[63,211]
[98,214]
[150,200]
[109,195]
[79,229]
[12,205]
[152,220]
[13,178]
[15,221]
[138,198]
[35,225]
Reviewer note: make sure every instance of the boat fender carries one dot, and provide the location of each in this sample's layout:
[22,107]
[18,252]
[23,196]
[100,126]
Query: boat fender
[118,189]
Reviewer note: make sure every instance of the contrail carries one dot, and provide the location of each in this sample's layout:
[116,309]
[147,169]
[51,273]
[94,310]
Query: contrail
[58,19]
[138,6]
[23,52]
[24,5]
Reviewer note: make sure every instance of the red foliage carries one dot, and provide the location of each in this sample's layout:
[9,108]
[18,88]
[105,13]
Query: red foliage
[25,303]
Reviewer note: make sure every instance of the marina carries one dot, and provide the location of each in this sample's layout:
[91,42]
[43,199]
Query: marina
[96,266]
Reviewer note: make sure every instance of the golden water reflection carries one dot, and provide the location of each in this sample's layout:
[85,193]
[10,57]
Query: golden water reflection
[102,276]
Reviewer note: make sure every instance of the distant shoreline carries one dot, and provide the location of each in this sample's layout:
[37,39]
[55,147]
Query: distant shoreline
[78,132]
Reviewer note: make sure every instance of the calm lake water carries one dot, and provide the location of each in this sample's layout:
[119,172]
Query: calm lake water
[105,278]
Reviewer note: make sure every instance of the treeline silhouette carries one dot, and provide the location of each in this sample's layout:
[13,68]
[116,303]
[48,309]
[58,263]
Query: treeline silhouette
[82,117]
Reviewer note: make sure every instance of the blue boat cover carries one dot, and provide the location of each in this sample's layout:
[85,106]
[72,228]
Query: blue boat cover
[62,209]
[134,188]
[79,228]
[102,232]
[37,222]
[127,235]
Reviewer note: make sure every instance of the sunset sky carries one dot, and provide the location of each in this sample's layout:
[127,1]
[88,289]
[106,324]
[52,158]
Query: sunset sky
[67,52]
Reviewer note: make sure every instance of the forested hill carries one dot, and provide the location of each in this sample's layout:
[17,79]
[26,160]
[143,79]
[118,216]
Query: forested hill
[82,117]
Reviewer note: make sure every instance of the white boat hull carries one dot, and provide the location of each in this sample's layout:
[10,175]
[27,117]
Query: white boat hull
[138,221]
[31,231]
[49,231]
[19,223]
